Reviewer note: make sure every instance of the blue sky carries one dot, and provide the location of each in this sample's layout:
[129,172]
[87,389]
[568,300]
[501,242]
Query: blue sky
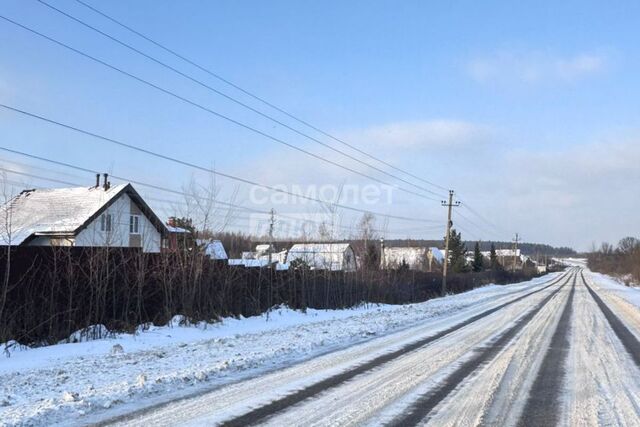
[529,110]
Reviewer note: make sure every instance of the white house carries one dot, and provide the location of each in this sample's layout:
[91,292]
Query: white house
[324,256]
[414,257]
[263,251]
[507,256]
[100,216]
[504,253]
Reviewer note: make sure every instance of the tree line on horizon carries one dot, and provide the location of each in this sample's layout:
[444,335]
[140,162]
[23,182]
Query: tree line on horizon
[622,261]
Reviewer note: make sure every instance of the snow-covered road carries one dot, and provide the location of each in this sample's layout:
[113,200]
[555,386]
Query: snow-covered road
[564,351]
[561,349]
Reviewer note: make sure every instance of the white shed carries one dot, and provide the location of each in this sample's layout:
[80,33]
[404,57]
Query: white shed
[414,257]
[324,256]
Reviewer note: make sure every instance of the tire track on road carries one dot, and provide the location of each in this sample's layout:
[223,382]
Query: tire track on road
[543,404]
[628,339]
[272,408]
[259,414]
[421,407]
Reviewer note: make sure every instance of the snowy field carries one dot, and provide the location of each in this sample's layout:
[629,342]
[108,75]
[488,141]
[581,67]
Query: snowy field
[68,383]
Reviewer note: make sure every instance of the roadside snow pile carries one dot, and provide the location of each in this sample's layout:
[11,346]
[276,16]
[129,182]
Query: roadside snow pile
[618,288]
[63,382]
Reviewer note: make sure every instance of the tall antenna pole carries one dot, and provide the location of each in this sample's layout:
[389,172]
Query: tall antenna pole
[450,206]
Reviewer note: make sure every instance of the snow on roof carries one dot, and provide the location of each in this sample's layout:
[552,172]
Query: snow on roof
[264,247]
[54,210]
[174,229]
[503,253]
[215,250]
[437,253]
[249,262]
[319,247]
[332,256]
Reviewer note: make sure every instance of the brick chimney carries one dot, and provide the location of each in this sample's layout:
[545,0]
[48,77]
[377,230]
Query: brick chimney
[97,180]
[106,185]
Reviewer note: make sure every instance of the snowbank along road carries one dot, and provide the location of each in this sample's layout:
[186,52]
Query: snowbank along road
[560,352]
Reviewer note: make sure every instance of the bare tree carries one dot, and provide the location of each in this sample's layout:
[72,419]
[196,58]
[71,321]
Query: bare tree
[204,204]
[368,249]
[6,234]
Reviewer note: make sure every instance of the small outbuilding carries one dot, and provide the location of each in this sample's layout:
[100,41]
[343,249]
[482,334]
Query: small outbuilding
[324,256]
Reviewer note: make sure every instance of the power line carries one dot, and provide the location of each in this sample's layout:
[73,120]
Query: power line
[177,192]
[153,186]
[209,110]
[482,218]
[252,95]
[229,97]
[58,181]
[472,235]
[478,227]
[198,167]
[233,99]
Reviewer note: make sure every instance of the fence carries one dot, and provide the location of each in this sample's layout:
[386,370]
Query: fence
[48,293]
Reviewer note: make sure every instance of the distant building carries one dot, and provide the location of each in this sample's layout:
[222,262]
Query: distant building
[214,249]
[506,257]
[324,256]
[263,251]
[504,253]
[99,216]
[415,258]
[178,237]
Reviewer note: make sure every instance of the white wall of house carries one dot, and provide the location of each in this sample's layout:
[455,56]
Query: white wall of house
[119,236]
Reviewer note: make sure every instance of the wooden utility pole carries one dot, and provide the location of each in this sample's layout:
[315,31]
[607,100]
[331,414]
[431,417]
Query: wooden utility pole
[272,221]
[450,206]
[515,251]
[382,260]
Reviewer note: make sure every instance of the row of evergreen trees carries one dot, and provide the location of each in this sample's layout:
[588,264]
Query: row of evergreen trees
[458,256]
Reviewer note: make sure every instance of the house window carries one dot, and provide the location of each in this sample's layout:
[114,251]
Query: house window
[134,224]
[105,222]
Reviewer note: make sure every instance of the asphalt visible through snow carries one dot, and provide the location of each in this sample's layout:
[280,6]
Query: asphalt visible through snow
[557,353]
[542,407]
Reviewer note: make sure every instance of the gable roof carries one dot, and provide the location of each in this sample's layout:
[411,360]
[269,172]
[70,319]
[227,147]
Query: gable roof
[214,249]
[64,211]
